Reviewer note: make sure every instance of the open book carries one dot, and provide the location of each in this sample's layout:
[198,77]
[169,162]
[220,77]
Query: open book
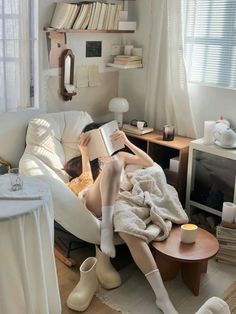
[100,144]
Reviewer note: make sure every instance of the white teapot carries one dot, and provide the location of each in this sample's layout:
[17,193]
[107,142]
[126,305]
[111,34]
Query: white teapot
[221,126]
[226,137]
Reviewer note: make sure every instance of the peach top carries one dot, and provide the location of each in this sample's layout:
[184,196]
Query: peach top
[80,183]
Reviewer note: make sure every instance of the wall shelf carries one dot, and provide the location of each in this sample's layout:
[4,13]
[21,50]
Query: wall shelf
[124,67]
[54,30]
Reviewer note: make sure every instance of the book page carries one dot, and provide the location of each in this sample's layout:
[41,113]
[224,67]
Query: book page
[96,146]
[107,130]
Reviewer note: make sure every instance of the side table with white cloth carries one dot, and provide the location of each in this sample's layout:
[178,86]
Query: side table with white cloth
[28,278]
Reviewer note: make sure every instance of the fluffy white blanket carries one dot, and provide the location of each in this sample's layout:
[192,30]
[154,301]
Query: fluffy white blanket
[151,206]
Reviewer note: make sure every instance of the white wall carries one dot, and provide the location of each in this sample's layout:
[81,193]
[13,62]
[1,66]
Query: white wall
[207,103]
[132,83]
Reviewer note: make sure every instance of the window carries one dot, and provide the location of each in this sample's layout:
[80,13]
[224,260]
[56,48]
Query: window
[210,41]
[17,54]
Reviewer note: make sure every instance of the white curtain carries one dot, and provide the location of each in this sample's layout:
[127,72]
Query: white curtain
[14,55]
[167,99]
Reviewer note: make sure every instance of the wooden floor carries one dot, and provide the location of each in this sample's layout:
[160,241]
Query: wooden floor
[224,275]
[69,277]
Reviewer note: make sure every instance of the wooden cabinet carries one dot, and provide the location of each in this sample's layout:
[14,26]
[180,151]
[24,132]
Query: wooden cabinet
[162,151]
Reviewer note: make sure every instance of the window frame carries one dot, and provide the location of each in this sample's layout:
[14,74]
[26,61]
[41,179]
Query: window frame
[227,82]
[33,61]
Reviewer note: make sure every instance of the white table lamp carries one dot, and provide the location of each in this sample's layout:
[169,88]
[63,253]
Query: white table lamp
[118,105]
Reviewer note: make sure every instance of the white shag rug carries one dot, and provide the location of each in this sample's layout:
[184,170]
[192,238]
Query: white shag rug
[135,296]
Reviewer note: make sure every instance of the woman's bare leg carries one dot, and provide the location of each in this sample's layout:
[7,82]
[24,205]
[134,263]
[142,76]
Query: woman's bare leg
[143,258]
[100,200]
[105,189]
[140,252]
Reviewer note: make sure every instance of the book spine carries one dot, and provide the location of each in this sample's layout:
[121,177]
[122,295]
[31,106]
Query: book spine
[87,18]
[112,17]
[92,16]
[107,16]
[60,15]
[79,17]
[117,16]
[96,15]
[102,16]
[222,260]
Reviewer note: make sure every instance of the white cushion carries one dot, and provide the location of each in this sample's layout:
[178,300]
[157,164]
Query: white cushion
[74,123]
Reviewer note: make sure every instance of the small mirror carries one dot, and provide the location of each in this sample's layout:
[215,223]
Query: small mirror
[67,75]
[67,69]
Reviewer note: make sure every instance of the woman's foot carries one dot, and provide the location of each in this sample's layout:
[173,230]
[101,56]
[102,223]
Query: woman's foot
[107,245]
[162,299]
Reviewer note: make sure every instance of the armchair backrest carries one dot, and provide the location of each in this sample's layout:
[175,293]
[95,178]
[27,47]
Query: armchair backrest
[53,138]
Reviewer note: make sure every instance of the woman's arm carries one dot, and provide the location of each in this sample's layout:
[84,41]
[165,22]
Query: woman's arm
[139,157]
[83,146]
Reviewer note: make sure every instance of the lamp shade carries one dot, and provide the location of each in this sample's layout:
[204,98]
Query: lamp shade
[118,105]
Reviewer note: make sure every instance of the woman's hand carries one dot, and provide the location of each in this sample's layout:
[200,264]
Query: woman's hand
[83,142]
[119,135]
[139,157]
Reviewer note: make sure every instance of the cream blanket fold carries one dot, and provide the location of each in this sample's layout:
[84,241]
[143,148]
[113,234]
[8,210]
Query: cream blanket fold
[148,210]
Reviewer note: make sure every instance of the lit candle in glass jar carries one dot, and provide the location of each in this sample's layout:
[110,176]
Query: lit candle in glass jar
[168,133]
[188,233]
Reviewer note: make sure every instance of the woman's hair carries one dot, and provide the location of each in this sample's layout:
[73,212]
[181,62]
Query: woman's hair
[74,166]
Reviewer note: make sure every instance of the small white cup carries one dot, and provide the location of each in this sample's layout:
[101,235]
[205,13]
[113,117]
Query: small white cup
[188,233]
[15,179]
[140,125]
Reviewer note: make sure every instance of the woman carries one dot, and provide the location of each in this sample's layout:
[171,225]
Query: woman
[99,188]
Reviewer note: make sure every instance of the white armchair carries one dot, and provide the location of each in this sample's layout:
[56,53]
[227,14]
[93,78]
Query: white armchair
[52,139]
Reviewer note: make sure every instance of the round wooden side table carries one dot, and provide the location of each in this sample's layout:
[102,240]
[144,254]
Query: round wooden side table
[172,255]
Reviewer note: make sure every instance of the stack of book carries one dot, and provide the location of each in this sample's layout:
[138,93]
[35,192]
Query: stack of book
[128,60]
[134,130]
[86,15]
[227,240]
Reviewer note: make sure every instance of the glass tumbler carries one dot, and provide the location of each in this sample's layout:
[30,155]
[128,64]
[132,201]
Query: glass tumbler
[15,179]
[168,133]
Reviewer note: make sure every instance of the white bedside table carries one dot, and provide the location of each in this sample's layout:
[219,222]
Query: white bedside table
[28,278]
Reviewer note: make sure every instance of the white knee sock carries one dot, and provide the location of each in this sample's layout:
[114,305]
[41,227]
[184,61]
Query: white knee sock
[162,298]
[107,245]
